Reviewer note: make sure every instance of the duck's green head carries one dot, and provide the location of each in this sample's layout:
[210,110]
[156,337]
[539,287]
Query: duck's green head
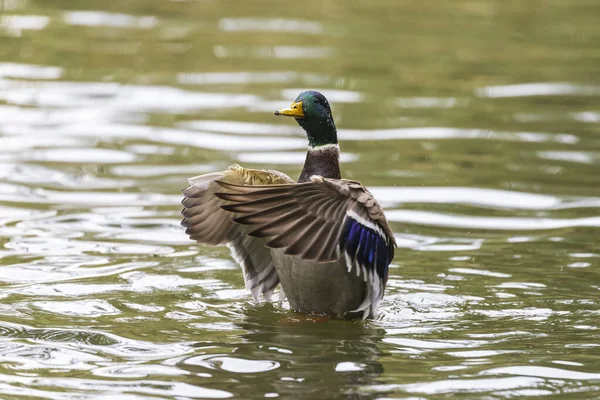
[312,112]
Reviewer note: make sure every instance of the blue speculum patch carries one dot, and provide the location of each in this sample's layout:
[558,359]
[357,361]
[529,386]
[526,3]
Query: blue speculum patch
[366,246]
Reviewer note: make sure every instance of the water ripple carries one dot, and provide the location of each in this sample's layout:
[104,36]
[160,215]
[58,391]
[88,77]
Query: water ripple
[114,20]
[490,223]
[488,198]
[485,161]
[472,385]
[270,25]
[110,387]
[542,372]
[539,89]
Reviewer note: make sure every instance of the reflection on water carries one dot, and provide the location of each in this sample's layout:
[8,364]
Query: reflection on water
[475,124]
[280,347]
[95,18]
[539,89]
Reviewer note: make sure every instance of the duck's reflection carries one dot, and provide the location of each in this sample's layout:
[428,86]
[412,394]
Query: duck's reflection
[302,356]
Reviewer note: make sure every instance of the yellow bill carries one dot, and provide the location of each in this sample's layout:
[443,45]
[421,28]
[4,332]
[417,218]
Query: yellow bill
[295,110]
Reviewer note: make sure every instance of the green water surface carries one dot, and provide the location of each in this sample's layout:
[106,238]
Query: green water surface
[475,123]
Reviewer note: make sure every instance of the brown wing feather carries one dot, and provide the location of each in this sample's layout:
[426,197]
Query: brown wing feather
[311,214]
[208,221]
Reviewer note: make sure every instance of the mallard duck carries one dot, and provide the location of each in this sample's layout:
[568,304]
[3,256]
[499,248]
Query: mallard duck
[324,239]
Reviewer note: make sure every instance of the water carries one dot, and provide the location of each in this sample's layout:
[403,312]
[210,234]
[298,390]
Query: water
[475,123]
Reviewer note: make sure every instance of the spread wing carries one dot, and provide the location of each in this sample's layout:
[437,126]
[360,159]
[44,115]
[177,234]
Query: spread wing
[321,220]
[207,222]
